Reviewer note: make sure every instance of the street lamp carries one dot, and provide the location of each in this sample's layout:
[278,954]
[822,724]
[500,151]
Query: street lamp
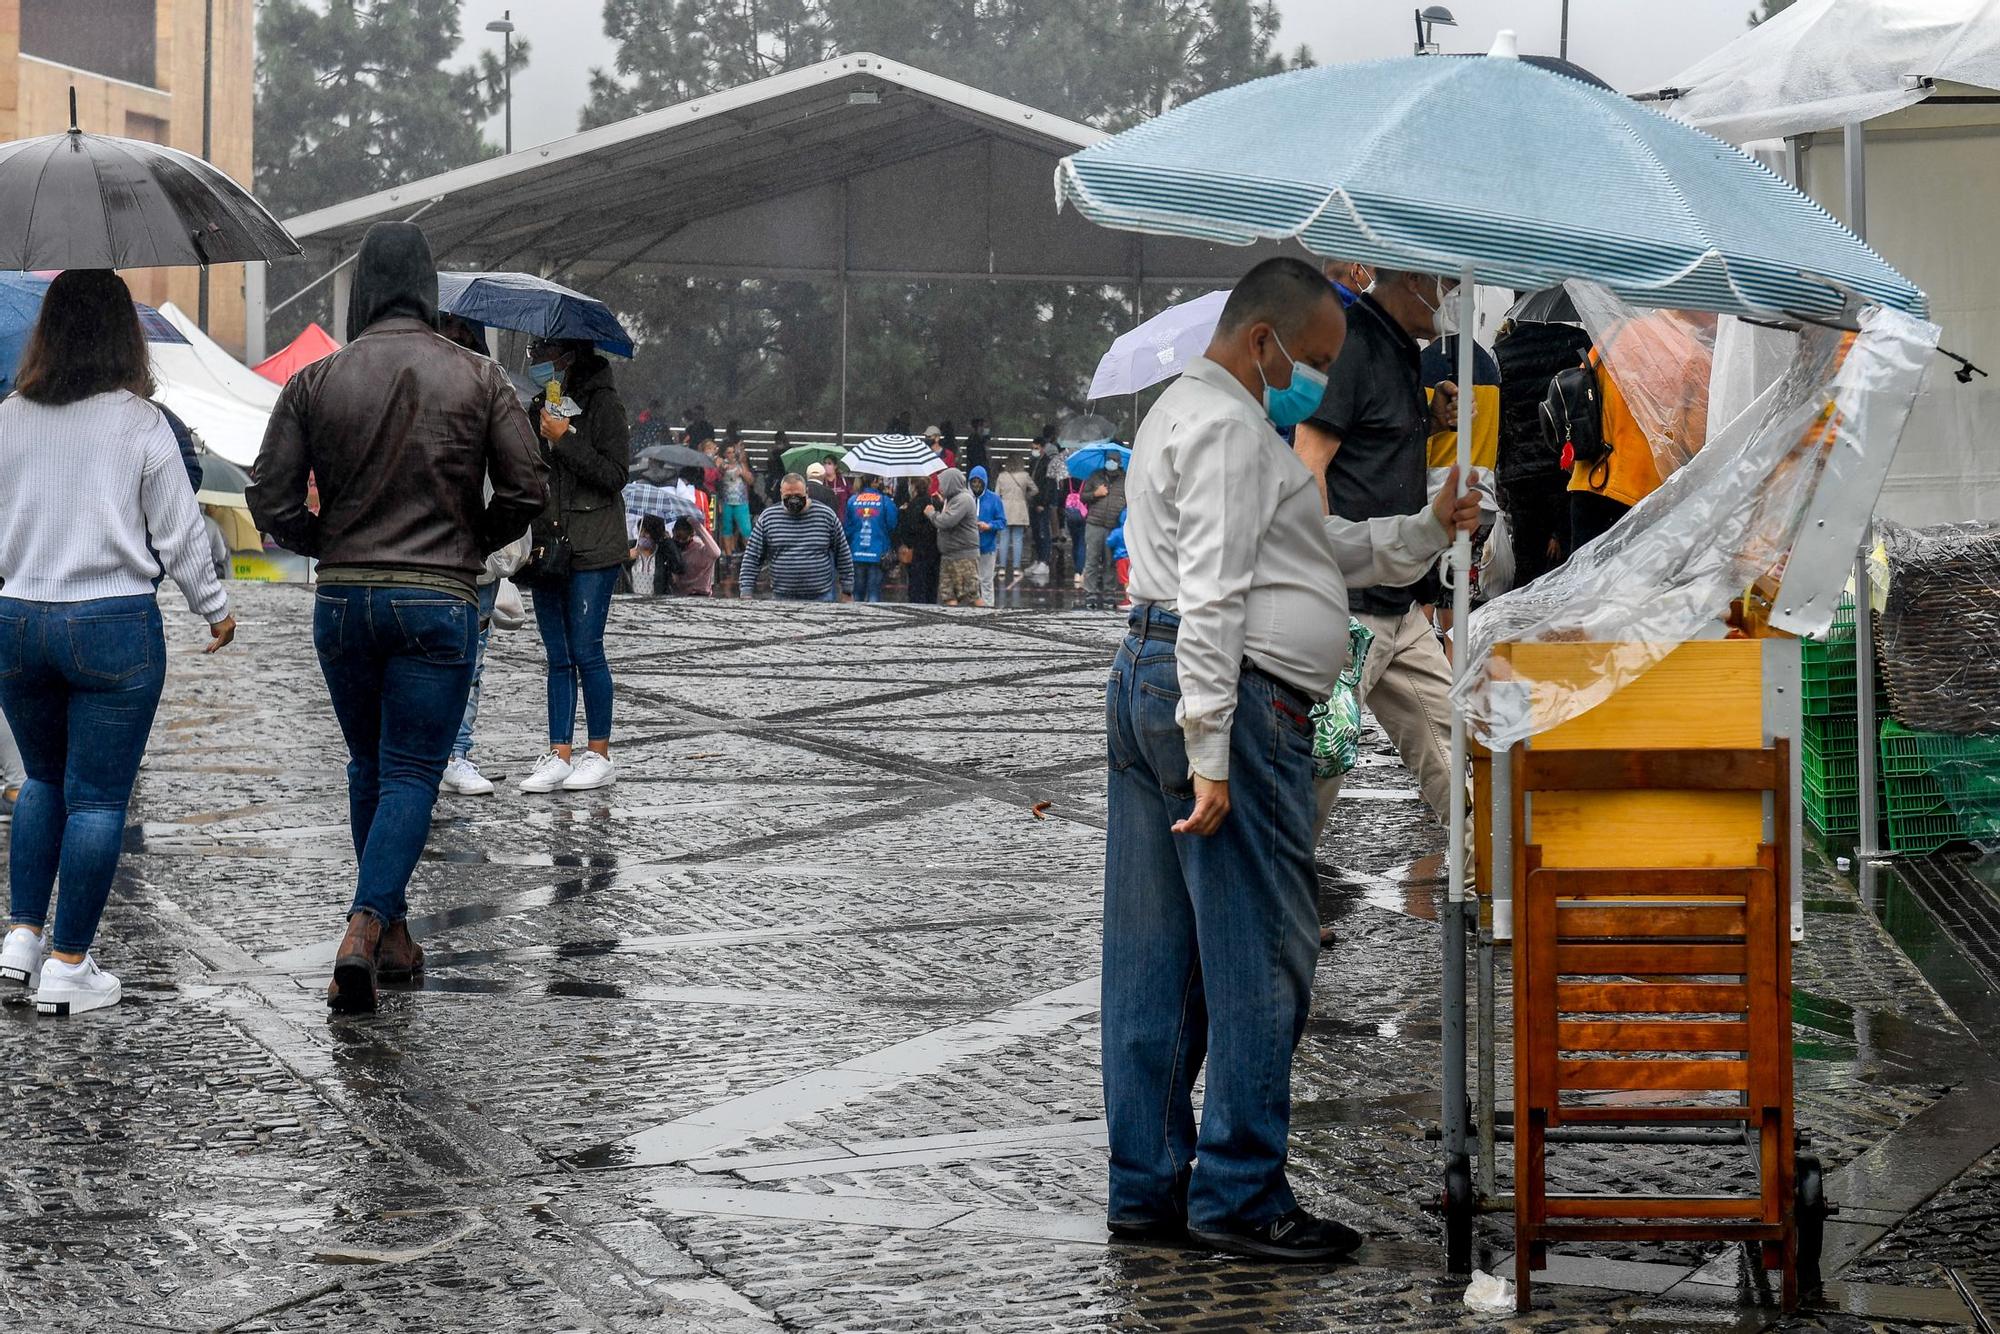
[1429,18]
[505,27]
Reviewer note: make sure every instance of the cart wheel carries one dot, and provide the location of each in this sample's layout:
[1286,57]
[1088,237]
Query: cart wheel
[1458,1213]
[1810,1210]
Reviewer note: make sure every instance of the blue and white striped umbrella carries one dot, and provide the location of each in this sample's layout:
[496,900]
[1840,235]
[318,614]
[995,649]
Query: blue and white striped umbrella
[1521,176]
[892,456]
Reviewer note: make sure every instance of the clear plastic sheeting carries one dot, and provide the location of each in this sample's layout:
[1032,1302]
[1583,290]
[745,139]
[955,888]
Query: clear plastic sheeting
[1823,63]
[1660,361]
[1940,627]
[1720,528]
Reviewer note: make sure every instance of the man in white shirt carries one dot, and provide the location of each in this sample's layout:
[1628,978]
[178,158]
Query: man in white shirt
[1240,582]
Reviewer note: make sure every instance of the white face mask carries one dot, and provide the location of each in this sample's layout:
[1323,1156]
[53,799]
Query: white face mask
[1444,312]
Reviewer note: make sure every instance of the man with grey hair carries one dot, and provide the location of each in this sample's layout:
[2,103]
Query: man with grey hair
[1239,626]
[805,546]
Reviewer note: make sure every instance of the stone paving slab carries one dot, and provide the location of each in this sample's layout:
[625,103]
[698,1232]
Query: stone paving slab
[793,1029]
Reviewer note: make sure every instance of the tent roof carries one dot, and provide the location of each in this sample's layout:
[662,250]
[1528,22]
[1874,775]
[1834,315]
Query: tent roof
[857,165]
[222,400]
[1821,64]
[312,343]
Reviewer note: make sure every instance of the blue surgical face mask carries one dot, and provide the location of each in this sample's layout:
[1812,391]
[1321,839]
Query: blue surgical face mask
[1298,400]
[542,372]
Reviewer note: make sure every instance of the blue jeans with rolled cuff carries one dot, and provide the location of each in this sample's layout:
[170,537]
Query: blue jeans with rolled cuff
[398,664]
[571,616]
[1209,947]
[79,682]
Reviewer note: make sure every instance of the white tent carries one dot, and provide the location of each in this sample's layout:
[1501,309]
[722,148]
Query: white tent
[1918,83]
[224,401]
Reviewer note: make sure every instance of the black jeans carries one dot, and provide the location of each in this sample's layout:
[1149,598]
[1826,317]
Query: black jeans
[1591,516]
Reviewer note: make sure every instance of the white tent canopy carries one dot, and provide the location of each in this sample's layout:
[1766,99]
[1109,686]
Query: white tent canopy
[1821,64]
[1919,83]
[221,399]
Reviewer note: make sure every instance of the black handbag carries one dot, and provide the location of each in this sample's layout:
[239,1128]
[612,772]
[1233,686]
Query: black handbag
[548,562]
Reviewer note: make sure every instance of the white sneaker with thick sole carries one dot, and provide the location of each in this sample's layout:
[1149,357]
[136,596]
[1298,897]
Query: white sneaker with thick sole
[463,777]
[548,775]
[591,771]
[21,957]
[75,988]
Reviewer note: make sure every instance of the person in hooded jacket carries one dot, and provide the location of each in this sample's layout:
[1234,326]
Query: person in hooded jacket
[583,529]
[401,430]
[871,527]
[917,538]
[992,525]
[956,519]
[1104,496]
[1014,486]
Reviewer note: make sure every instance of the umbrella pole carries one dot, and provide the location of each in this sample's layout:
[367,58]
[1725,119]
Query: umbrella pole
[1456,1110]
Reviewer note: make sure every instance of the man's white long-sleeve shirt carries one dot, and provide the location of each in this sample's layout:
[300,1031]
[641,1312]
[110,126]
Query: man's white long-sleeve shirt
[1225,526]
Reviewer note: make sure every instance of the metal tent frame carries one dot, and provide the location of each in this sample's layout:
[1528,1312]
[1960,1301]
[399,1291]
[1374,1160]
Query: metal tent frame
[857,168]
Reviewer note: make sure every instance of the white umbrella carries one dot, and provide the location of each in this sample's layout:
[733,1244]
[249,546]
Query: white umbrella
[893,456]
[1157,349]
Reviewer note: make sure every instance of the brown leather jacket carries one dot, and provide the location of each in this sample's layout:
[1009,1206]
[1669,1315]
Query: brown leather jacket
[400,429]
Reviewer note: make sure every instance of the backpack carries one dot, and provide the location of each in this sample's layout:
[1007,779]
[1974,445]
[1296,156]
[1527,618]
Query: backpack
[1076,504]
[1573,421]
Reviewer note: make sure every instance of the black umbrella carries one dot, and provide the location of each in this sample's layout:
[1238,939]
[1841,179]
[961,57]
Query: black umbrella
[91,201]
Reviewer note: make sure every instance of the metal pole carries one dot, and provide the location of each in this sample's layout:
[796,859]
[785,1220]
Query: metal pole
[1455,905]
[1562,48]
[1868,844]
[507,68]
[207,133]
[843,314]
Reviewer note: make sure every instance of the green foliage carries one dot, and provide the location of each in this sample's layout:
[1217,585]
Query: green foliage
[354,96]
[769,353]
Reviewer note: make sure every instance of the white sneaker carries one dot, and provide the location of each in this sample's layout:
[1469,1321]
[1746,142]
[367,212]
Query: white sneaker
[592,771]
[463,777]
[75,988]
[548,775]
[21,957]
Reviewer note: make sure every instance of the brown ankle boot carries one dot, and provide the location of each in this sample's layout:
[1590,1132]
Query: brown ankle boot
[352,990]
[400,957]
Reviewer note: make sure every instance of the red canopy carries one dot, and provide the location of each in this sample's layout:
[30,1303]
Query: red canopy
[295,356]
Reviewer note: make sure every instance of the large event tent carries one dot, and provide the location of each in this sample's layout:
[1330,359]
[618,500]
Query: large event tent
[852,170]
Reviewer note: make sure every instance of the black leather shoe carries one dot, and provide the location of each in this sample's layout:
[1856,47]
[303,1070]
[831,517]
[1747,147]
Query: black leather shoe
[1296,1237]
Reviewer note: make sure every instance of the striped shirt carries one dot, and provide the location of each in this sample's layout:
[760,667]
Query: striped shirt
[808,554]
[96,504]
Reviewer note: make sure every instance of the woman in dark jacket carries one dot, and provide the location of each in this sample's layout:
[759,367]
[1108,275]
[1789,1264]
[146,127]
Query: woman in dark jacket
[918,536]
[588,457]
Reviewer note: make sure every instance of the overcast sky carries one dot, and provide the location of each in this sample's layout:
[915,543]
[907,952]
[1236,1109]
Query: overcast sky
[1631,44]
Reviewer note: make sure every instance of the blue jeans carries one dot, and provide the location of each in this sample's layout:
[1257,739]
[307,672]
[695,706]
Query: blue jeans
[1209,946]
[867,581]
[1077,528]
[79,682]
[398,663]
[571,617]
[463,746]
[1013,542]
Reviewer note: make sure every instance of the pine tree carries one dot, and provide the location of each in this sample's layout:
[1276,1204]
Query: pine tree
[1768,10]
[354,96]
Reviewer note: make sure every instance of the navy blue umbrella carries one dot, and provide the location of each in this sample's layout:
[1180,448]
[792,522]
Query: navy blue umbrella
[531,305]
[21,305]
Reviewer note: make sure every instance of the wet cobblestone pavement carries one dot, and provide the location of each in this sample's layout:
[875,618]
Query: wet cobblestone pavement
[795,1028]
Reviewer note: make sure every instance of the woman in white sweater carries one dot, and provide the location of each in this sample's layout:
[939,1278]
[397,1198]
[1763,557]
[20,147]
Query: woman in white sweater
[95,510]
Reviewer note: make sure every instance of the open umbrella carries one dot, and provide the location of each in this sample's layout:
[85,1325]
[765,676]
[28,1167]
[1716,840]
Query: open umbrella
[92,201]
[1084,429]
[1087,459]
[1157,349]
[892,456]
[531,305]
[21,305]
[800,457]
[672,456]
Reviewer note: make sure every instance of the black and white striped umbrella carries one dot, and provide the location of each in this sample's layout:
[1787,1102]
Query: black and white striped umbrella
[892,456]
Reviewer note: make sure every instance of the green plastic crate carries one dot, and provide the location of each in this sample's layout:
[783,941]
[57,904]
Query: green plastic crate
[1938,788]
